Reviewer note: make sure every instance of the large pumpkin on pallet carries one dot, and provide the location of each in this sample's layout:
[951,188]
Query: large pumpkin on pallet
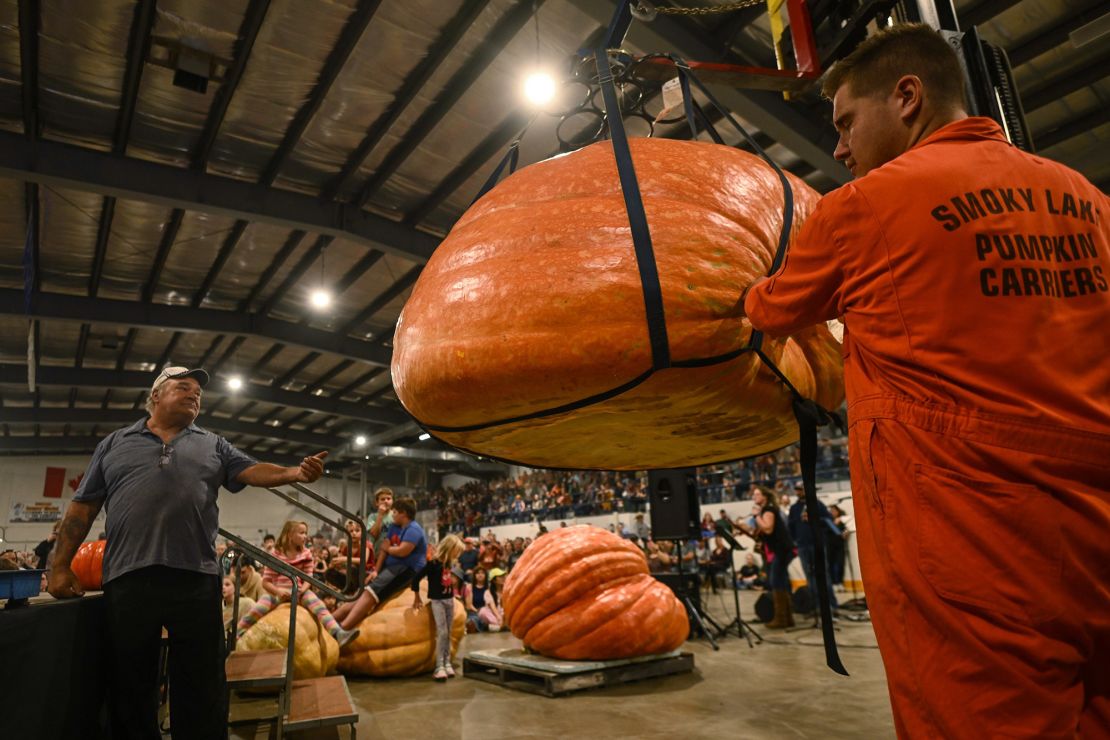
[88,565]
[525,337]
[582,593]
[315,652]
[398,640]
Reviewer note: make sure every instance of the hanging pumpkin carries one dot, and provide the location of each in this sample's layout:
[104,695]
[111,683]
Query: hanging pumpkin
[88,565]
[525,337]
[397,640]
[583,593]
[315,652]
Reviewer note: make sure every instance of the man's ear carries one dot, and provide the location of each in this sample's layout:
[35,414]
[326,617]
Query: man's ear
[910,93]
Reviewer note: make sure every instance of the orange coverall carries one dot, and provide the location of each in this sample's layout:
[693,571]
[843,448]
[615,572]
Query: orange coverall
[972,279]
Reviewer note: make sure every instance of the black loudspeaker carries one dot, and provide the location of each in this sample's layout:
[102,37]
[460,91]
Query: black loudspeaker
[765,607]
[802,600]
[675,513]
[683,585]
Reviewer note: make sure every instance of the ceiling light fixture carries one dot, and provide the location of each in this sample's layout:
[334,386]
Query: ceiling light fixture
[320,298]
[360,441]
[539,88]
[234,382]
[424,437]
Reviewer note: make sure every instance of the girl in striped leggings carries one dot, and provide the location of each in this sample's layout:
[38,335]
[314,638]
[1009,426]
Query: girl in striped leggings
[290,547]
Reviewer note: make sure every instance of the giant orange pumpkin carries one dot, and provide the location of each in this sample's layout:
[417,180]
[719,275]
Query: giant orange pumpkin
[534,302]
[582,593]
[88,565]
[397,640]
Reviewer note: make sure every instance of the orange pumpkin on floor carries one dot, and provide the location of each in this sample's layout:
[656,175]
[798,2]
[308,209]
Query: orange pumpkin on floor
[582,593]
[533,303]
[88,565]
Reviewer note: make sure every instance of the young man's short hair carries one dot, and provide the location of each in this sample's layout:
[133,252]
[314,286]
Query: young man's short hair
[881,60]
[406,506]
[383,491]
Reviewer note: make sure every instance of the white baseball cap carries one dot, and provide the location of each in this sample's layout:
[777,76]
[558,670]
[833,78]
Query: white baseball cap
[176,371]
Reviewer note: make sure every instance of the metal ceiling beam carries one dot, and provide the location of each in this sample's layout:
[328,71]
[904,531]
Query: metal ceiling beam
[296,370]
[497,141]
[264,360]
[248,32]
[303,265]
[440,49]
[356,271]
[1065,84]
[348,41]
[392,292]
[983,11]
[123,417]
[1070,129]
[138,48]
[184,318]
[100,251]
[291,243]
[66,166]
[328,376]
[1044,41]
[787,124]
[169,236]
[358,382]
[29,18]
[222,256]
[503,32]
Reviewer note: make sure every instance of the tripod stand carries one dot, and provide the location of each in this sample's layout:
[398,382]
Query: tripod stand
[699,620]
[743,629]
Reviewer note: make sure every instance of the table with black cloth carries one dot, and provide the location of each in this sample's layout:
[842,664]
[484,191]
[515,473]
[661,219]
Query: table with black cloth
[52,653]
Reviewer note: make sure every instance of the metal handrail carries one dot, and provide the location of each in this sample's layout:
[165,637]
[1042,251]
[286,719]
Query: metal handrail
[240,547]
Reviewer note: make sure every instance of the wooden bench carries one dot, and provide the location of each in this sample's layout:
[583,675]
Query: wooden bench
[321,702]
[255,668]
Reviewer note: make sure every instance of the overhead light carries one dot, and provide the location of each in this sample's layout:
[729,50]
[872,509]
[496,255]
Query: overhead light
[320,298]
[360,441]
[234,382]
[539,88]
[425,436]
[367,457]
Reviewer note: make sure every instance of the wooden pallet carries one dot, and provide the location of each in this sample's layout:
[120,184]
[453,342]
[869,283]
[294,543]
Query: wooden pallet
[536,674]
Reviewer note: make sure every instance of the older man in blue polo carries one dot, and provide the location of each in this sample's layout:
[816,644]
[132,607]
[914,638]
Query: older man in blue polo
[158,481]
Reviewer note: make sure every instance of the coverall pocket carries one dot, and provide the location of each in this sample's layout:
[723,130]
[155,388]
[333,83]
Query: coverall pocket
[866,456]
[989,544]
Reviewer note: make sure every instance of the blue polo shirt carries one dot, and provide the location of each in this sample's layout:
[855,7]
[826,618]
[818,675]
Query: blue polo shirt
[160,500]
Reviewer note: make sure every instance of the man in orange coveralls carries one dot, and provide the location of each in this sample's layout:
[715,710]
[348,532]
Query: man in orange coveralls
[972,279]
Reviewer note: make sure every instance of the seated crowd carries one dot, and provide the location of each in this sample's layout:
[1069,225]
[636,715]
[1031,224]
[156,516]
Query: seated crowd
[540,495]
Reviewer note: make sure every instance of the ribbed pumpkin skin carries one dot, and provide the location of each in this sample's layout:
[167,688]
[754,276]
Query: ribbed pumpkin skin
[88,565]
[534,301]
[397,640]
[315,652]
[582,593]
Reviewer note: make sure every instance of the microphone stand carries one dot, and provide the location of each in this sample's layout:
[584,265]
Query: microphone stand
[743,629]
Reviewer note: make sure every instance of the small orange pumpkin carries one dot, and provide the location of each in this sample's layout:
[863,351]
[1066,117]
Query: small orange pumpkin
[533,304]
[88,565]
[583,593]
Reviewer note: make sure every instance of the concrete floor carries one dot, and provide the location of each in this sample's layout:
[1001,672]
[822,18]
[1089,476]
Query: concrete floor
[779,689]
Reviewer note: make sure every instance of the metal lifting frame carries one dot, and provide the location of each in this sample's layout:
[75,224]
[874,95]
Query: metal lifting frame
[765,78]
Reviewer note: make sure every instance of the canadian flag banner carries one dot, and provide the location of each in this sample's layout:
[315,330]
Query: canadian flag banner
[61,481]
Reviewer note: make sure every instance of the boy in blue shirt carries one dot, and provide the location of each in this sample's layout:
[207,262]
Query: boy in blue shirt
[403,554]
